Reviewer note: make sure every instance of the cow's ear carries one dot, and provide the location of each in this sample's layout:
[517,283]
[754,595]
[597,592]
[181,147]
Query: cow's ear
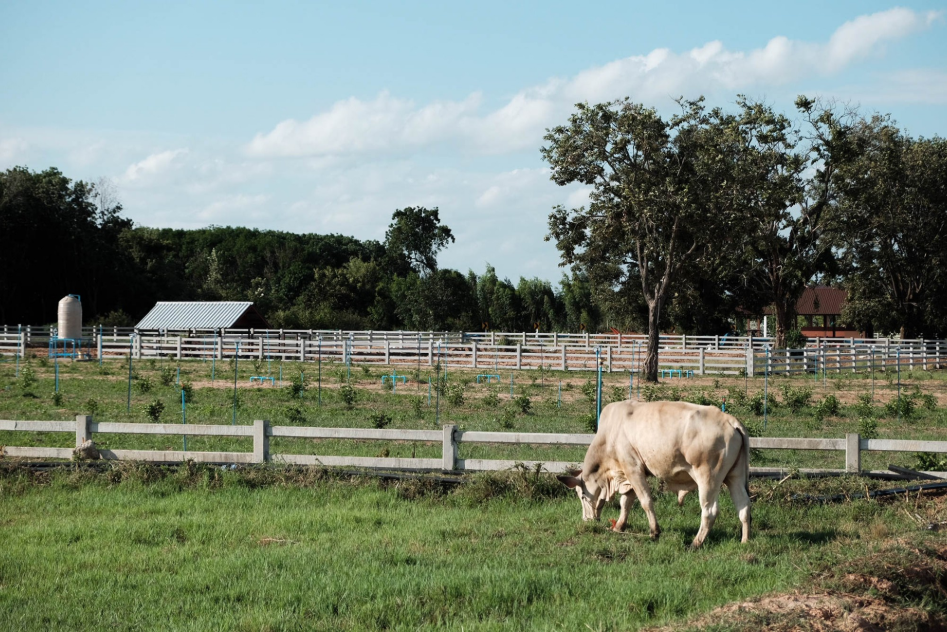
[570,481]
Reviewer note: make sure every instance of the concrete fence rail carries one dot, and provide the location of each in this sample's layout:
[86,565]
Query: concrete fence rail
[450,437]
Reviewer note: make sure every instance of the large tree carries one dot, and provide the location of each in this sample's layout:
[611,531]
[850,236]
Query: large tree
[892,229]
[414,238]
[662,197]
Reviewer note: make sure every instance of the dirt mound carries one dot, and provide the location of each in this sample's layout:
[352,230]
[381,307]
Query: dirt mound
[901,587]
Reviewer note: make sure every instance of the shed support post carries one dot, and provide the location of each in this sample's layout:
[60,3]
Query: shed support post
[83,429]
[261,441]
[852,452]
[449,449]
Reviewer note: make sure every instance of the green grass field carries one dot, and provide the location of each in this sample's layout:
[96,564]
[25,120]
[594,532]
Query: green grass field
[263,548]
[198,548]
[548,401]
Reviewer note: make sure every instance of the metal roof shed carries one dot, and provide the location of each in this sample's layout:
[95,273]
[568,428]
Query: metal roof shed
[184,315]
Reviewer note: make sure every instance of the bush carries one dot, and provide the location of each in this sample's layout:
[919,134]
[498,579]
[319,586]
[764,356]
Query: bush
[27,377]
[294,415]
[928,401]
[795,399]
[902,406]
[491,399]
[349,395]
[167,376]
[522,404]
[618,394]
[57,398]
[590,390]
[92,406]
[702,399]
[828,407]
[737,397]
[507,417]
[756,403]
[296,387]
[795,339]
[144,385]
[454,393]
[589,421]
[928,462]
[380,420]
[188,389]
[154,409]
[417,403]
[868,428]
[864,406]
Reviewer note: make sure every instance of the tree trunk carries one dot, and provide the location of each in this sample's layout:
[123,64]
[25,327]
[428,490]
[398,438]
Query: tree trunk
[785,321]
[651,358]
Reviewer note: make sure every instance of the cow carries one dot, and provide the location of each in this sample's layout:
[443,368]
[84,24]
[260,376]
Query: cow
[685,445]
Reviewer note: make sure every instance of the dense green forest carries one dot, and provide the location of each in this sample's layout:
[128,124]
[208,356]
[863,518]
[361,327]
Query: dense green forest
[692,221]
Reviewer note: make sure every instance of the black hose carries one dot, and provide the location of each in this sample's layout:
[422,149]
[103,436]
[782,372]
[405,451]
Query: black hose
[938,488]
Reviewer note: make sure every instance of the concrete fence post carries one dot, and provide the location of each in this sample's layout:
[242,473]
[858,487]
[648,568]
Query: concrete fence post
[750,364]
[519,356]
[701,365]
[387,352]
[449,449]
[608,358]
[179,348]
[83,428]
[852,452]
[430,353]
[474,347]
[565,365]
[302,350]
[261,441]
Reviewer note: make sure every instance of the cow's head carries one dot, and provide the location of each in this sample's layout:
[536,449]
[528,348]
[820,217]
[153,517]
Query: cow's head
[591,494]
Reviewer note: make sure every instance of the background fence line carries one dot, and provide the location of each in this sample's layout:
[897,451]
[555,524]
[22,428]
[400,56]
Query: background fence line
[449,436]
[680,356]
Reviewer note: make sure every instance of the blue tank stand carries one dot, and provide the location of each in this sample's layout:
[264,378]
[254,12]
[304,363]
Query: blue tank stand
[679,372]
[65,347]
[263,378]
[403,378]
[488,377]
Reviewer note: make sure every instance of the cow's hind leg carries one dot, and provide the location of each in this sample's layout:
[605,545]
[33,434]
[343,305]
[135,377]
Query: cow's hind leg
[741,501]
[709,509]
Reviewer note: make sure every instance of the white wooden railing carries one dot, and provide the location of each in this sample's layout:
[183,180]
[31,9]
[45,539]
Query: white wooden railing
[450,437]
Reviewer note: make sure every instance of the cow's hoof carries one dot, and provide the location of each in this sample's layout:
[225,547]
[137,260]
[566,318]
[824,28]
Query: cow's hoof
[655,535]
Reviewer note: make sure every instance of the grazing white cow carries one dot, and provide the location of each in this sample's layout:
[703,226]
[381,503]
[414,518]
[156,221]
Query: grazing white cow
[686,445]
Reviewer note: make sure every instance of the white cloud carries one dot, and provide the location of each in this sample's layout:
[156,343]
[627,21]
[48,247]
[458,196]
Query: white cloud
[152,165]
[11,151]
[391,125]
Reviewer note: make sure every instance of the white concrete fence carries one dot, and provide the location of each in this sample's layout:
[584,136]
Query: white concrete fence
[694,356]
[450,437]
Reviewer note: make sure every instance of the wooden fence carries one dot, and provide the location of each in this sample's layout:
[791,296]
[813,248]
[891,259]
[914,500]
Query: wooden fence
[694,355]
[450,437]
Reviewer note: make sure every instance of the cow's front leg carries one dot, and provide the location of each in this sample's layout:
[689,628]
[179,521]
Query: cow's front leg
[625,502]
[643,491]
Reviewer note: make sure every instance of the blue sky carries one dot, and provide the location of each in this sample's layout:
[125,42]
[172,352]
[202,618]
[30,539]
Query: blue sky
[326,117]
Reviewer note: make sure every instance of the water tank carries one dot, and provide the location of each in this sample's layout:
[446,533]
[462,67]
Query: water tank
[70,317]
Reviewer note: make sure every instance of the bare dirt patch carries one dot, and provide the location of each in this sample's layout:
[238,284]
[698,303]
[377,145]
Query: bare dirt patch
[901,587]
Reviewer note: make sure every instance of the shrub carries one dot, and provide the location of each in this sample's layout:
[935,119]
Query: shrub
[864,408]
[44,361]
[454,393]
[522,404]
[618,394]
[417,403]
[154,409]
[703,399]
[294,415]
[57,398]
[795,339]
[737,397]
[902,406]
[928,462]
[297,386]
[365,370]
[188,389]
[590,390]
[928,401]
[349,395]
[166,376]
[589,421]
[868,428]
[828,407]
[491,399]
[27,377]
[796,398]
[755,403]
[507,417]
[144,385]
[380,420]
[92,406]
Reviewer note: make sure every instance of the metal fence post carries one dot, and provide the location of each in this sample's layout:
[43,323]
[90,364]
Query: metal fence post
[852,452]
[261,441]
[83,429]
[449,448]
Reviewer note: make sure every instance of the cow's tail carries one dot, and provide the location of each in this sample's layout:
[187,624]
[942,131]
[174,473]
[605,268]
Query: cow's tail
[746,455]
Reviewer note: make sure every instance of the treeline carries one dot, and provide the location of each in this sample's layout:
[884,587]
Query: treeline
[694,222]
[68,237]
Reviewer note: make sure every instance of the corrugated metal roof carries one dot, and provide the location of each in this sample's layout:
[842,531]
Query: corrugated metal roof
[194,314]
